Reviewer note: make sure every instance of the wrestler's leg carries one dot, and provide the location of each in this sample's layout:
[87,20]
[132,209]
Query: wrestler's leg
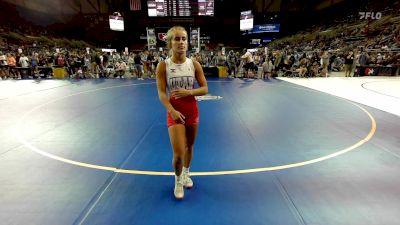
[178,141]
[177,136]
[191,133]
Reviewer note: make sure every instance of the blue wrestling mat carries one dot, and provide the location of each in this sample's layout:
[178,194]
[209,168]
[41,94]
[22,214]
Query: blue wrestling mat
[267,152]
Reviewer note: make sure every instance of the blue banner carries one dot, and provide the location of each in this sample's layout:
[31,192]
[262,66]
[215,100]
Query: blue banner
[264,28]
[266,40]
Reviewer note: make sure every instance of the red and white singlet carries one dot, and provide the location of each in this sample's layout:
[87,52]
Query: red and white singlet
[182,76]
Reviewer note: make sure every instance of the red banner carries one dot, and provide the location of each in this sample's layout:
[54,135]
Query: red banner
[135,5]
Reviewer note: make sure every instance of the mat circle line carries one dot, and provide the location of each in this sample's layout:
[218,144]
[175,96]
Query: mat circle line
[161,173]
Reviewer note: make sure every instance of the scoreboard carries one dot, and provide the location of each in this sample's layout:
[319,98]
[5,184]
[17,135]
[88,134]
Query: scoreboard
[178,8]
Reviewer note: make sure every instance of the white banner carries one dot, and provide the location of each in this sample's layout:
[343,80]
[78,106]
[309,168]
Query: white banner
[151,38]
[195,38]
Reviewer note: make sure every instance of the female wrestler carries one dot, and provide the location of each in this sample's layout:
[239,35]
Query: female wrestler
[178,73]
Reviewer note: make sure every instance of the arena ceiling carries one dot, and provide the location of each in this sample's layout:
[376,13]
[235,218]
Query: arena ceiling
[87,19]
[61,10]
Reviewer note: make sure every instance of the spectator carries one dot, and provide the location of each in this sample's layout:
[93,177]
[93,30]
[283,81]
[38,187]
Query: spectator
[248,62]
[325,63]
[267,68]
[231,60]
[348,64]
[138,66]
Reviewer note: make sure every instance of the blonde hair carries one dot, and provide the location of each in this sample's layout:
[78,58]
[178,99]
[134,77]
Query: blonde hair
[171,34]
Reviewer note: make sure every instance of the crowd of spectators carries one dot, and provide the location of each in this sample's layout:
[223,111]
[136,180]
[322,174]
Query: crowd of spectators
[78,63]
[316,58]
[312,53]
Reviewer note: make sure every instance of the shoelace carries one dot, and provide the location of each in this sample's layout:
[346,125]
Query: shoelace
[180,181]
[186,176]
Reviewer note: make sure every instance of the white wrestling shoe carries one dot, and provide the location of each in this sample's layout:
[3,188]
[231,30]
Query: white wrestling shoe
[187,181]
[178,190]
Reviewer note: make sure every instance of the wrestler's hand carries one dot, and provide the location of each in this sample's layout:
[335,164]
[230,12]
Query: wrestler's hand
[177,116]
[181,92]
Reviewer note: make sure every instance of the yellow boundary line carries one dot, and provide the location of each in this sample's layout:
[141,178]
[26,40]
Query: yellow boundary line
[160,173]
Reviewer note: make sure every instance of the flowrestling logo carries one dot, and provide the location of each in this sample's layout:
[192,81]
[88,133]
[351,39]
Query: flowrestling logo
[208,97]
[370,15]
